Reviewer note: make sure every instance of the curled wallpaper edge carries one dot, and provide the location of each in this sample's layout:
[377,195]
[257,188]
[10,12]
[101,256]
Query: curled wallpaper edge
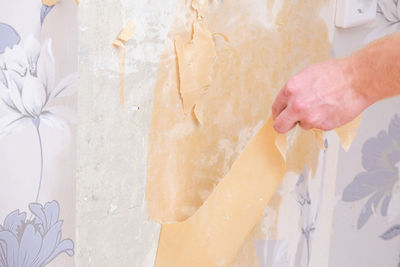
[226,67]
[348,132]
[215,233]
[234,206]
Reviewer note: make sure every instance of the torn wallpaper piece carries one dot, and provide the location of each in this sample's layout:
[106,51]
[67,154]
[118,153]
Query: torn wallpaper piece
[186,161]
[348,132]
[125,35]
[319,137]
[216,232]
[195,63]
[201,7]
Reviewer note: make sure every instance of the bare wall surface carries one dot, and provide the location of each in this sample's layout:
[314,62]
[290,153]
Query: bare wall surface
[112,217]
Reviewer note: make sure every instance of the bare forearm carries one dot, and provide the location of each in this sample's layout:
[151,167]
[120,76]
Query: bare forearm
[329,94]
[376,69]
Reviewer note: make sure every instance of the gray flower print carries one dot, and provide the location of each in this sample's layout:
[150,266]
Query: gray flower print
[36,242]
[390,10]
[27,89]
[387,20]
[391,233]
[303,200]
[380,159]
[44,12]
[308,217]
[9,37]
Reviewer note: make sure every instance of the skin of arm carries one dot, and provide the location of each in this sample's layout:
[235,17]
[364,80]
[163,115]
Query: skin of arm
[330,94]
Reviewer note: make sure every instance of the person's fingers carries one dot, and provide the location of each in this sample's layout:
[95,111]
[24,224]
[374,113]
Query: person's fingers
[285,121]
[305,125]
[280,103]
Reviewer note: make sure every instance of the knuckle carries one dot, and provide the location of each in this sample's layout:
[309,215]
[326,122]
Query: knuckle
[290,88]
[297,106]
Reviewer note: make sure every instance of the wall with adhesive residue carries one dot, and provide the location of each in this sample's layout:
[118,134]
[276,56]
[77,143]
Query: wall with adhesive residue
[181,154]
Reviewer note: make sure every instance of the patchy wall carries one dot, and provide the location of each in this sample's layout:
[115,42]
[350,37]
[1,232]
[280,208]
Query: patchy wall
[223,64]
[257,48]
[112,224]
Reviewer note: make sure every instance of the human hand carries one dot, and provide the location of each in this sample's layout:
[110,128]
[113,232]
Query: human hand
[323,96]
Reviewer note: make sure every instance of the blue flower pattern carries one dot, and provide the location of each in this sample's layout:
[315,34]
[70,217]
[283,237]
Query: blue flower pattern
[380,157]
[33,241]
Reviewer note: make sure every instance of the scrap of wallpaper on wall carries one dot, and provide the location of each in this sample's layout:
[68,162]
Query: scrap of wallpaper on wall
[119,43]
[222,66]
[38,67]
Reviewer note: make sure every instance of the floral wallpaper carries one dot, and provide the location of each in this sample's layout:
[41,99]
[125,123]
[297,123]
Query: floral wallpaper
[35,241]
[380,177]
[367,215]
[387,19]
[366,222]
[37,129]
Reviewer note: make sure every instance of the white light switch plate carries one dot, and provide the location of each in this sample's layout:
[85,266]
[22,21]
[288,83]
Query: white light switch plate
[351,13]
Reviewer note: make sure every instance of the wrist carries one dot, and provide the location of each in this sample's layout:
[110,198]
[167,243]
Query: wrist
[360,79]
